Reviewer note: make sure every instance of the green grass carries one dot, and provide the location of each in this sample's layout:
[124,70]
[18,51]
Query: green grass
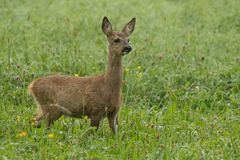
[181,82]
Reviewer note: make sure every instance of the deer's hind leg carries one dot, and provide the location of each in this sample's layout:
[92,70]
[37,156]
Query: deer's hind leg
[49,112]
[38,118]
[52,114]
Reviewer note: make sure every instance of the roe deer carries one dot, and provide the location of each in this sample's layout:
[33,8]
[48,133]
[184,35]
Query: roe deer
[96,97]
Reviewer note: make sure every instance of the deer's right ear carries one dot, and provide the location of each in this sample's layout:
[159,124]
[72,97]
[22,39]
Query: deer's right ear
[106,26]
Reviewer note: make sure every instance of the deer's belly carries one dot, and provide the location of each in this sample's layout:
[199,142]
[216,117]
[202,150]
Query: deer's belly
[74,111]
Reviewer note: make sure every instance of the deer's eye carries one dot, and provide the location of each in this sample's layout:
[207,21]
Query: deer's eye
[117,40]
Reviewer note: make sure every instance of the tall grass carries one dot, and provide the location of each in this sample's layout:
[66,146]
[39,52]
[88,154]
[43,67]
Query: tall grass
[181,88]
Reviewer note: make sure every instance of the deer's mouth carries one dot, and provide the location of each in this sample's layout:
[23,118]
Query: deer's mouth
[125,53]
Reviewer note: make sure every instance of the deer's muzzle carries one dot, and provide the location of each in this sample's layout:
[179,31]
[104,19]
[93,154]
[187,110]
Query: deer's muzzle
[127,49]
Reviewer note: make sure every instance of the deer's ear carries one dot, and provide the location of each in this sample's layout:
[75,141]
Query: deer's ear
[106,26]
[128,29]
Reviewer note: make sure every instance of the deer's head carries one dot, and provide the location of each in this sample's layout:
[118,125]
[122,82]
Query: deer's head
[118,41]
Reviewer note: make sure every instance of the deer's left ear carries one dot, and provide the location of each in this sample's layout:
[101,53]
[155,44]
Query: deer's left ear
[128,29]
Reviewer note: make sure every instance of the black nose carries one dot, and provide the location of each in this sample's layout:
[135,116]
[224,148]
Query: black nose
[127,49]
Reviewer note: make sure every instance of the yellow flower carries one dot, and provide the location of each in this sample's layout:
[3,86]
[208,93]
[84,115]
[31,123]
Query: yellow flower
[32,123]
[51,135]
[22,134]
[33,120]
[138,67]
[85,117]
[76,75]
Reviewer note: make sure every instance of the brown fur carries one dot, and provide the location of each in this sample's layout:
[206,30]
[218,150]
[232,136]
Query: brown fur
[96,97]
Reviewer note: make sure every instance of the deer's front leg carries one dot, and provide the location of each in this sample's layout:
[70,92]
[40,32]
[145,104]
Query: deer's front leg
[95,120]
[113,123]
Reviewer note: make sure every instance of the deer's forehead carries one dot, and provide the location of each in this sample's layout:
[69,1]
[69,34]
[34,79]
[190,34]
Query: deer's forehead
[119,35]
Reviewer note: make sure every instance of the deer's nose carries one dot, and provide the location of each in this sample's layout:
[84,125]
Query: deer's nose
[127,49]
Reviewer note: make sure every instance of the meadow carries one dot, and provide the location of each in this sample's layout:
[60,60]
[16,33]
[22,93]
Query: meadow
[181,91]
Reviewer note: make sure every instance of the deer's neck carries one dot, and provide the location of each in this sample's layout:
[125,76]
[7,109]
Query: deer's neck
[114,72]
